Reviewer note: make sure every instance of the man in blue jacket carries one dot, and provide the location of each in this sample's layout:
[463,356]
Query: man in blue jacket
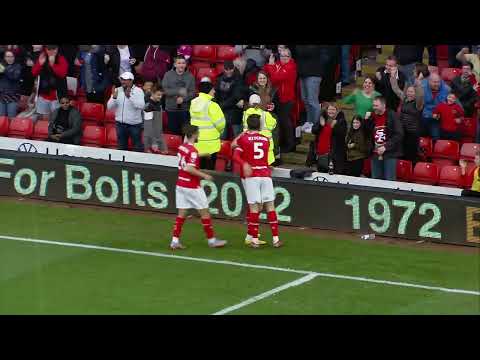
[435,92]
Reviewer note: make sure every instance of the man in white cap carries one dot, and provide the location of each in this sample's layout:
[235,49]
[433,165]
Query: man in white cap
[129,101]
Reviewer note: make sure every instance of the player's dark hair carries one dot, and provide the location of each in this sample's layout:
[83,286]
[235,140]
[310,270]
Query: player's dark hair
[205,87]
[190,130]
[253,122]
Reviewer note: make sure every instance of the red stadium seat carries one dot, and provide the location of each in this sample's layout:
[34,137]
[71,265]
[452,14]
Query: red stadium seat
[404,170]
[468,178]
[468,151]
[109,117]
[451,176]
[111,141]
[425,173]
[165,122]
[219,67]
[226,52]
[4,124]
[426,148]
[367,167]
[442,52]
[207,72]
[204,52]
[173,142]
[92,112]
[446,152]
[468,127]
[40,130]
[94,136]
[448,74]
[21,128]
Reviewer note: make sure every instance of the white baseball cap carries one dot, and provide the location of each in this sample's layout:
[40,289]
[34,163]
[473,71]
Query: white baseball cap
[127,75]
[254,99]
[206,79]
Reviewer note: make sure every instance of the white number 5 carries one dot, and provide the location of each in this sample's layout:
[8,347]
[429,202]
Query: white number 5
[258,152]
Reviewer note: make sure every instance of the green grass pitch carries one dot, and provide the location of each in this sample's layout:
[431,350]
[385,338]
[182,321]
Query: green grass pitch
[39,278]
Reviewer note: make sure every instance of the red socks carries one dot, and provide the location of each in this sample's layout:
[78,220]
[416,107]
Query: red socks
[273,221]
[253,225]
[208,228]
[177,228]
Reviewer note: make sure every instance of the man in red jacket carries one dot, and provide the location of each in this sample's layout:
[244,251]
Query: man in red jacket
[450,114]
[52,69]
[283,74]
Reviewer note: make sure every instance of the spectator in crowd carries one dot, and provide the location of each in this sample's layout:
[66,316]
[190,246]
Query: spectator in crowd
[155,64]
[229,94]
[65,124]
[450,115]
[312,61]
[386,135]
[383,84]
[357,147]
[208,116]
[464,55]
[179,87]
[435,91]
[153,140]
[345,68]
[362,100]
[283,74]
[121,59]
[52,68]
[32,53]
[69,52]
[10,77]
[421,68]
[330,134]
[128,102]
[453,51]
[410,115]
[408,56]
[258,54]
[269,123]
[94,77]
[465,87]
[475,189]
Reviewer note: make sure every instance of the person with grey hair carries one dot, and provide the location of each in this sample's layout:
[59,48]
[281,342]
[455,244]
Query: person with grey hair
[435,91]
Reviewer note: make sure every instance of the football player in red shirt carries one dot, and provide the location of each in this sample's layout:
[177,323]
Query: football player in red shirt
[189,194]
[251,152]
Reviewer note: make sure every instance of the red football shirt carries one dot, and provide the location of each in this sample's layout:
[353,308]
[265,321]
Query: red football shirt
[188,156]
[253,149]
[380,132]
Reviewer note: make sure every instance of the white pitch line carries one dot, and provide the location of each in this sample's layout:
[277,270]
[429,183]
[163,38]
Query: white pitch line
[245,265]
[266,294]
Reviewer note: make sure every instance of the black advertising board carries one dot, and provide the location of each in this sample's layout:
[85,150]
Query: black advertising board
[395,213]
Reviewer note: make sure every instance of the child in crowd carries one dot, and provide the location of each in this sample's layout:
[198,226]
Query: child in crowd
[450,114]
[153,126]
[357,147]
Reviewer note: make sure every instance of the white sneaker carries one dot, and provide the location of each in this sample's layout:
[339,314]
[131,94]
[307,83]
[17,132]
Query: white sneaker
[307,127]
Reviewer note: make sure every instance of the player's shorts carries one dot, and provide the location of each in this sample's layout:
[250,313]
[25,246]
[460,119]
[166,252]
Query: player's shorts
[187,198]
[259,190]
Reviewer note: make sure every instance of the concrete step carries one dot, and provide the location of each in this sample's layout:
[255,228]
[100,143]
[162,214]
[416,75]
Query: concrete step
[303,148]
[294,158]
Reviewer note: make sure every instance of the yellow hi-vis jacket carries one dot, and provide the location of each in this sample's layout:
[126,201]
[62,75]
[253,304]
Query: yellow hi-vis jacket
[209,118]
[267,124]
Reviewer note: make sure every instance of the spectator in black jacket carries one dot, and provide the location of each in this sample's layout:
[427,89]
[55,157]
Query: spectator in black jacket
[229,94]
[383,84]
[121,59]
[32,53]
[312,65]
[65,124]
[10,76]
[465,88]
[386,135]
[408,56]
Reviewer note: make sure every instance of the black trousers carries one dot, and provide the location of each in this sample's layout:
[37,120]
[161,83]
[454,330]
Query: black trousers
[287,134]
[208,163]
[97,98]
[410,146]
[354,167]
[470,193]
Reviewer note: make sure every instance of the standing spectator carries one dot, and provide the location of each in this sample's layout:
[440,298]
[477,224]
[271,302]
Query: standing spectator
[94,77]
[362,100]
[128,102]
[65,124]
[153,123]
[121,59]
[69,52]
[465,88]
[408,56]
[229,94]
[258,54]
[179,87]
[383,84]
[450,114]
[474,58]
[357,147]
[410,116]
[10,76]
[283,74]
[208,116]
[312,61]
[435,92]
[453,51]
[386,135]
[330,134]
[32,52]
[52,69]
[155,64]
[346,73]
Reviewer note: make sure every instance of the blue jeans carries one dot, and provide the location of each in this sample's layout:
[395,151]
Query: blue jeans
[385,169]
[407,70]
[124,131]
[310,87]
[345,64]
[8,109]
[431,127]
[237,129]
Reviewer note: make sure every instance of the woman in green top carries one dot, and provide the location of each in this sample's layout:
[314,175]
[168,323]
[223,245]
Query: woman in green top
[362,100]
